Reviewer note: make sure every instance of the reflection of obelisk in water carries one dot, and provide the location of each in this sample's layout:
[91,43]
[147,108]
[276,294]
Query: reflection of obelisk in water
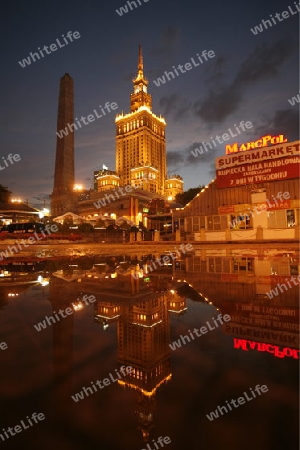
[143,343]
[62,294]
[63,198]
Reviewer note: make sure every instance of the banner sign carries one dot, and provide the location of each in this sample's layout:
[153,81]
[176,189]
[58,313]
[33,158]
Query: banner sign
[273,153]
[283,169]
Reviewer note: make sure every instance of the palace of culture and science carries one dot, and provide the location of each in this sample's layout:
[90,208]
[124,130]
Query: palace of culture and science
[141,145]
[141,166]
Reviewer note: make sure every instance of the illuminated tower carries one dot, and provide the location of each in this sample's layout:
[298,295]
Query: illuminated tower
[63,198]
[140,140]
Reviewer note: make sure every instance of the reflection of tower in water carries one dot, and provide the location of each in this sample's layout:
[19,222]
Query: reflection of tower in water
[62,294]
[143,338]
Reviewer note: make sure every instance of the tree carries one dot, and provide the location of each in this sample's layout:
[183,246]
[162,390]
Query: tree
[4,194]
[68,222]
[85,228]
[158,206]
[124,225]
[100,223]
[188,195]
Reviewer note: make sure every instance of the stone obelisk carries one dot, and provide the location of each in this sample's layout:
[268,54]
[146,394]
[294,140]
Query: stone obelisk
[63,198]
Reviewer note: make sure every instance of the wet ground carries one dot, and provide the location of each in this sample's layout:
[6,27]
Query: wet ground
[70,328]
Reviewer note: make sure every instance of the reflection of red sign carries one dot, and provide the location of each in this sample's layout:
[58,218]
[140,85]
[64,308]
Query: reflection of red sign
[265,317]
[259,172]
[283,312]
[225,209]
[275,350]
[263,334]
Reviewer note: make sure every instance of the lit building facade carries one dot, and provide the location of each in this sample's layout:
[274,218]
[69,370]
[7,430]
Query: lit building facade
[255,196]
[105,180]
[173,186]
[140,140]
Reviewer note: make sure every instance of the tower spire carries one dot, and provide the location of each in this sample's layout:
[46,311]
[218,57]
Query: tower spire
[141,62]
[140,96]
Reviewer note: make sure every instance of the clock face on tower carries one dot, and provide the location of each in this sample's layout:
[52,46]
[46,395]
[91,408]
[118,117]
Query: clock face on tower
[140,88]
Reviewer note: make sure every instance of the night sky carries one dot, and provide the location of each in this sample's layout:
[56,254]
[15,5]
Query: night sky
[250,78]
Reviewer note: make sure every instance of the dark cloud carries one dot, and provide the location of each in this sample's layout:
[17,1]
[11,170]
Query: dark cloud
[284,121]
[175,158]
[263,63]
[175,106]
[169,41]
[218,105]
[215,71]
[167,46]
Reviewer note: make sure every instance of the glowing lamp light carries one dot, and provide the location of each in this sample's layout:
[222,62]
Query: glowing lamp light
[77,306]
[44,212]
[43,281]
[77,187]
